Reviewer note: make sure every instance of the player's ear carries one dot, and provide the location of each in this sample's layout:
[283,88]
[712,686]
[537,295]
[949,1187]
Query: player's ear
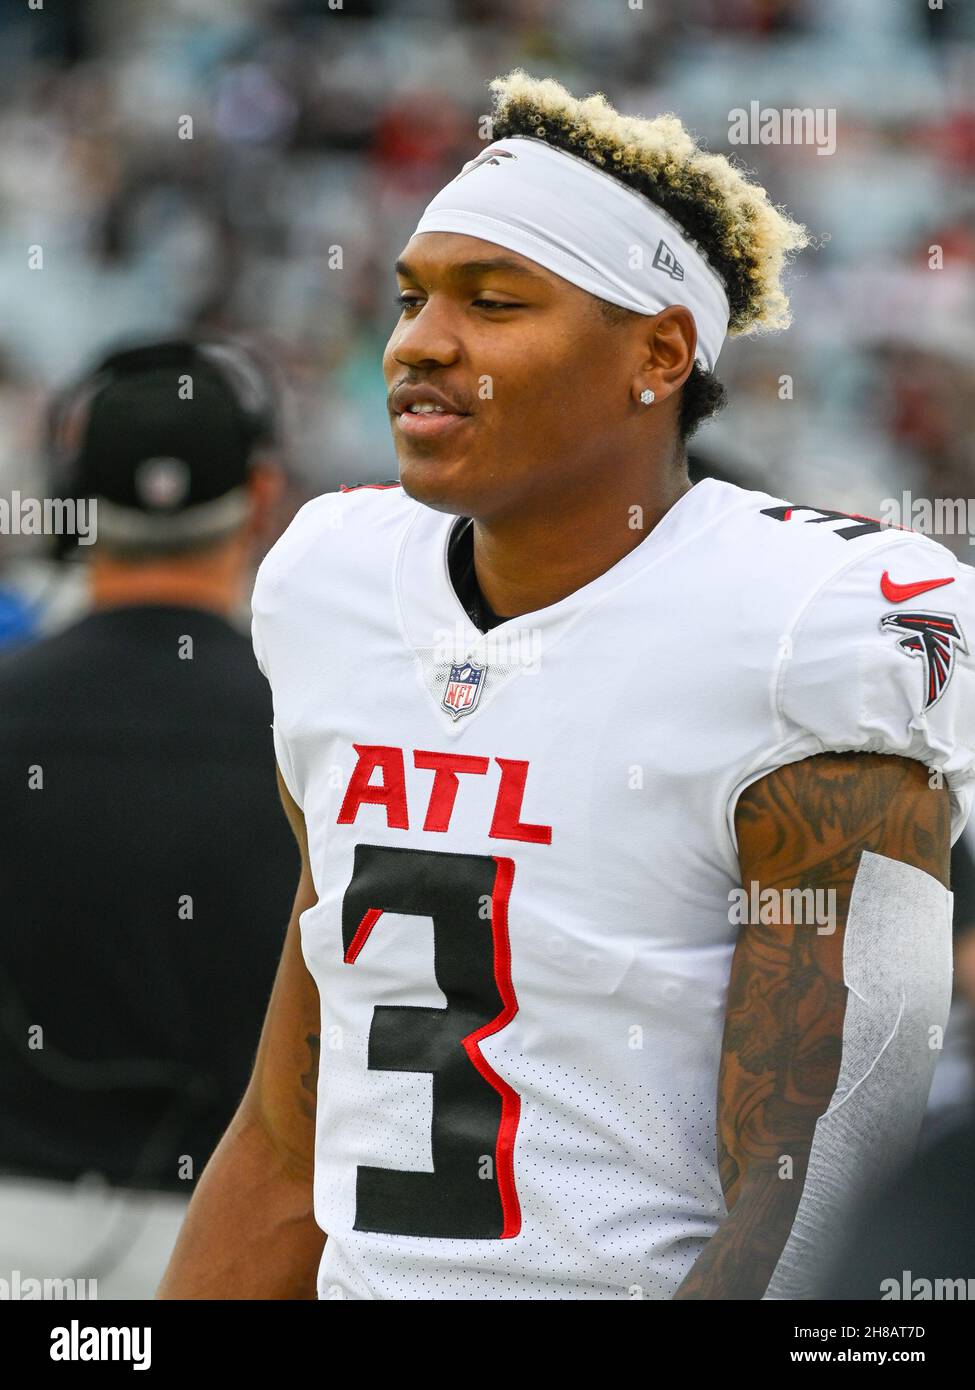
[672,342]
[668,341]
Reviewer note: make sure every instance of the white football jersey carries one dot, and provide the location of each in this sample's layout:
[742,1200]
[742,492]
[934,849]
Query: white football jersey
[524,850]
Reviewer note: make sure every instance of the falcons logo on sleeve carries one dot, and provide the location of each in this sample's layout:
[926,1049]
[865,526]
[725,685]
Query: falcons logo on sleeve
[933,637]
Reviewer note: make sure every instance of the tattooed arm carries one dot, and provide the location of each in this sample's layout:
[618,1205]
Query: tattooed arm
[250,1229]
[804,826]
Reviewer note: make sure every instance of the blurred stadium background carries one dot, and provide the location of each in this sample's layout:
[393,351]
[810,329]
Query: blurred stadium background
[316,127]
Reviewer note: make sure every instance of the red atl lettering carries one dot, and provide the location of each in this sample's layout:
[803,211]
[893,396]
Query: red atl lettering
[443,793]
[506,823]
[390,792]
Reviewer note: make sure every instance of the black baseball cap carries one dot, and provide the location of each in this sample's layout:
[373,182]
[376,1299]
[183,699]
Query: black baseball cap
[163,435]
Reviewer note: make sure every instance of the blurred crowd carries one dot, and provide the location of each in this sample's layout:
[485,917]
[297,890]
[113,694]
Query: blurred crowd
[319,130]
[251,168]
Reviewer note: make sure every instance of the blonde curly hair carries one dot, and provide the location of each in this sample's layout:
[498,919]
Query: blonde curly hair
[745,238]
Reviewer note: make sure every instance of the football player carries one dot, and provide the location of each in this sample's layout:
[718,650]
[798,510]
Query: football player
[621,949]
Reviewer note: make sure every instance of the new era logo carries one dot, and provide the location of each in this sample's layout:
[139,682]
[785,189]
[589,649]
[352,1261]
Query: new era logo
[665,260]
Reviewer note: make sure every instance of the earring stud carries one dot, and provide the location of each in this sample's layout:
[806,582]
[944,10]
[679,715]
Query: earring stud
[647,396]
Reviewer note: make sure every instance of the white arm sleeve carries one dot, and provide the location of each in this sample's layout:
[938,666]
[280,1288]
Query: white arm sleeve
[897,969]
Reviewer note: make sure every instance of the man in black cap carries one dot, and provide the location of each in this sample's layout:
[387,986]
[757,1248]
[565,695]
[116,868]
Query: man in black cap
[147,869]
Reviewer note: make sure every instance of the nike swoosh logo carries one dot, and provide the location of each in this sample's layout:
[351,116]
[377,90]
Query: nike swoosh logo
[900,593]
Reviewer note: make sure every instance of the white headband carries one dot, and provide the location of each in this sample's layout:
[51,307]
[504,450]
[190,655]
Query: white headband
[584,225]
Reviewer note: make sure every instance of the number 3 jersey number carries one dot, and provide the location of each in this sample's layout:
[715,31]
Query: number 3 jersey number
[470,1195]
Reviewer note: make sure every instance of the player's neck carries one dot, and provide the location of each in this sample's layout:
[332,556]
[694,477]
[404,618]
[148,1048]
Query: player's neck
[531,560]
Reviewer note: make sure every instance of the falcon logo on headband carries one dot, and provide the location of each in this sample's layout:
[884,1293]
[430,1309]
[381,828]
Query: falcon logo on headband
[933,637]
[488,157]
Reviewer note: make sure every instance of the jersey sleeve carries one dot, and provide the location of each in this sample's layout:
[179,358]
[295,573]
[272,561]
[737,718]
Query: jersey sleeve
[259,618]
[258,645]
[880,661]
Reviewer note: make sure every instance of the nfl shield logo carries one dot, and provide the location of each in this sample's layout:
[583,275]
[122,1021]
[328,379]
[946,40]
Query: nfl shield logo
[463,688]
